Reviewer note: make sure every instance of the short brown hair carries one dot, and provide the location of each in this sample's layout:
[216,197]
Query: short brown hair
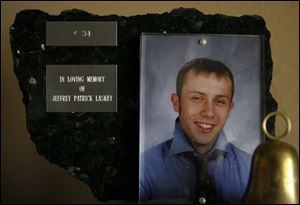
[203,65]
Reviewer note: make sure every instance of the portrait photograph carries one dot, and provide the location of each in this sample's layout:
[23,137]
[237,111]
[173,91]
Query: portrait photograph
[200,98]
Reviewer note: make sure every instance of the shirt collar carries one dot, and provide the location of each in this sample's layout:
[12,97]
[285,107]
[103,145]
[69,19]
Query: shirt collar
[221,142]
[181,144]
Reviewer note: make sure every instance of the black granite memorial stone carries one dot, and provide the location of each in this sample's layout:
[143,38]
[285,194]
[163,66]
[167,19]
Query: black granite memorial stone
[102,149]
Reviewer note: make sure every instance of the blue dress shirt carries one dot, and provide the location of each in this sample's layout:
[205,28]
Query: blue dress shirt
[166,172]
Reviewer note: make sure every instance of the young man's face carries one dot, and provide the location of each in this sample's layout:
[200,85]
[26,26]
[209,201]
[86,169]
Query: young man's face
[204,106]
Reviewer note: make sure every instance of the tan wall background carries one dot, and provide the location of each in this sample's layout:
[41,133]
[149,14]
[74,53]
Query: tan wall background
[28,177]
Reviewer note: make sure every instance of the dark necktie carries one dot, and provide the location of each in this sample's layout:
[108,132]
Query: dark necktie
[205,192]
[205,189]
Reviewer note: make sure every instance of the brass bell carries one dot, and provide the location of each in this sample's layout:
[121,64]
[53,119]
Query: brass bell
[274,175]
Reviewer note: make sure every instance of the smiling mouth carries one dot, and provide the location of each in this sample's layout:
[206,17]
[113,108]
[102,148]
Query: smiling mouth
[205,127]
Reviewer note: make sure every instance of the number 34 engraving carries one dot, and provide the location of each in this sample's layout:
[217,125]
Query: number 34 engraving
[82,33]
